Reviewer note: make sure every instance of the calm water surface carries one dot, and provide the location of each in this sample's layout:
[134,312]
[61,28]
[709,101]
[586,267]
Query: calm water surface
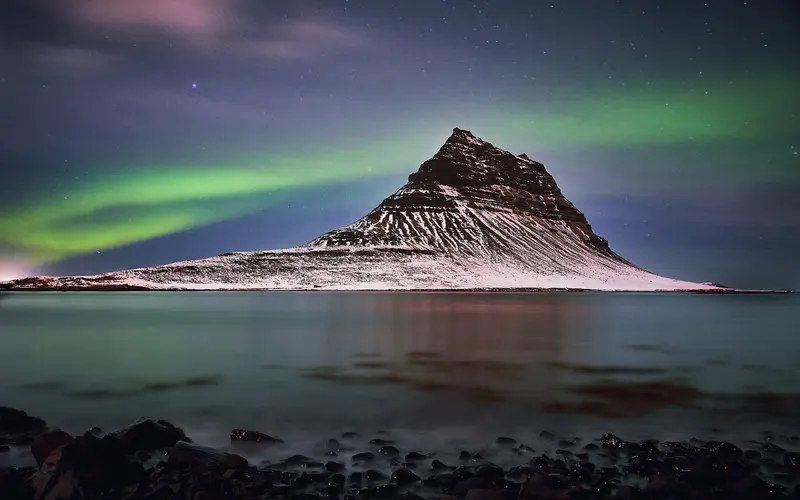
[435,365]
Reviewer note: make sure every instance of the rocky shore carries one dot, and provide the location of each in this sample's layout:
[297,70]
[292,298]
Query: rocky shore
[155,460]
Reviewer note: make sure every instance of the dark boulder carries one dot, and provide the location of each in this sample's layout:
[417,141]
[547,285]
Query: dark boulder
[46,442]
[92,466]
[188,455]
[253,437]
[403,477]
[14,421]
[149,435]
[14,483]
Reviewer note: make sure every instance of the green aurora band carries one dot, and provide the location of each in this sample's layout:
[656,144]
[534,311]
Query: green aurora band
[116,210]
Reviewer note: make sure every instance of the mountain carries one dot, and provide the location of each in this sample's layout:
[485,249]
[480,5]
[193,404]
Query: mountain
[472,217]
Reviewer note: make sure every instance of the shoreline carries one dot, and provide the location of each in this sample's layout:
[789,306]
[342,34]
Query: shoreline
[153,459]
[7,287]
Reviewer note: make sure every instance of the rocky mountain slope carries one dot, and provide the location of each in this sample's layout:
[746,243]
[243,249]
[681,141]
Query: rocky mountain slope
[472,217]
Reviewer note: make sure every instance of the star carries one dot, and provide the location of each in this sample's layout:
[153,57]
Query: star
[194,85]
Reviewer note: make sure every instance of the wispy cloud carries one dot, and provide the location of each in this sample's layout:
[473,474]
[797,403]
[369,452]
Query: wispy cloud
[68,60]
[303,39]
[218,24]
[200,21]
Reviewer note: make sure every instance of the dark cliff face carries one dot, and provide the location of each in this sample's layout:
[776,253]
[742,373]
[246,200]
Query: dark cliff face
[486,177]
[466,172]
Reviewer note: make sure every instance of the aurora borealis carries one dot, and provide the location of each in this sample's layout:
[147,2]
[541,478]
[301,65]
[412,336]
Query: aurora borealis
[167,130]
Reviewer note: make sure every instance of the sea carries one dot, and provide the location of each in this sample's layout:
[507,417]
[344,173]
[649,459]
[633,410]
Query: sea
[434,370]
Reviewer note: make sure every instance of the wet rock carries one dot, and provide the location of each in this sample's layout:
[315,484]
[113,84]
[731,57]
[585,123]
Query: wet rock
[93,431]
[356,478]
[92,466]
[366,456]
[188,455]
[46,442]
[490,471]
[565,444]
[13,421]
[381,492]
[438,465]
[148,435]
[474,483]
[464,455]
[611,441]
[331,453]
[722,448]
[505,441]
[331,466]
[408,495]
[544,486]
[564,453]
[404,476]
[484,494]
[414,456]
[297,460]
[350,435]
[380,442]
[14,483]
[253,437]
[752,455]
[333,444]
[591,447]
[525,448]
[374,476]
[792,460]
[4,448]
[547,435]
[389,451]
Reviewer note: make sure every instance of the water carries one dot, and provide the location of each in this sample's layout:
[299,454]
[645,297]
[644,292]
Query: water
[444,369]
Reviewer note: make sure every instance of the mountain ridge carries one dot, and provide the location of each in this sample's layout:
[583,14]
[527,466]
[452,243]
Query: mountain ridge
[473,216]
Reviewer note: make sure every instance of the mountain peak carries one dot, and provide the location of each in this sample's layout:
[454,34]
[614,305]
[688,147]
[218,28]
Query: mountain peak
[466,174]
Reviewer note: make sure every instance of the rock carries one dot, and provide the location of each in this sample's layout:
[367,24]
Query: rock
[404,476]
[612,441]
[752,455]
[474,483]
[490,471]
[331,466]
[483,494]
[149,435]
[547,435]
[505,441]
[364,457]
[464,455]
[4,448]
[792,460]
[14,483]
[525,448]
[373,476]
[14,421]
[414,456]
[389,451]
[253,437]
[185,454]
[297,459]
[93,431]
[356,478]
[350,435]
[438,465]
[92,466]
[541,485]
[46,442]
[380,442]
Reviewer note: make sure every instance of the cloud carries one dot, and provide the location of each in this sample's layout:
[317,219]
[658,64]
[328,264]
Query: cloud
[196,20]
[303,39]
[69,60]
[217,24]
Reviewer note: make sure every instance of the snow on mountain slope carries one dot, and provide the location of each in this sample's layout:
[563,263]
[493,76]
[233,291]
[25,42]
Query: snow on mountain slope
[472,217]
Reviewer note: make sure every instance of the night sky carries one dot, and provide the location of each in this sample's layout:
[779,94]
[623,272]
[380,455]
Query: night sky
[142,132]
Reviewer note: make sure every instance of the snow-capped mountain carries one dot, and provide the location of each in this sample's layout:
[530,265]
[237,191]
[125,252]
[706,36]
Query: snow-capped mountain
[472,217]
